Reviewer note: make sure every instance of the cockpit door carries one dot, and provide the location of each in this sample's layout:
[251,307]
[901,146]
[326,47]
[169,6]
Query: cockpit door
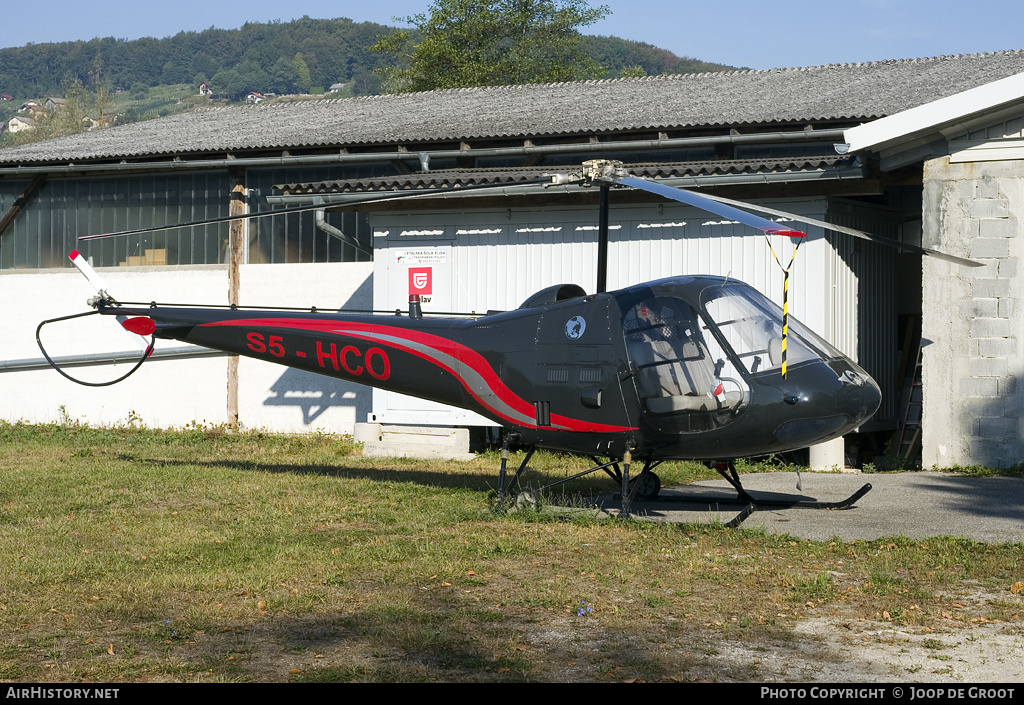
[678,366]
[576,369]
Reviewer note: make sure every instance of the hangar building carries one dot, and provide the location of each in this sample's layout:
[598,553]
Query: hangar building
[924,151]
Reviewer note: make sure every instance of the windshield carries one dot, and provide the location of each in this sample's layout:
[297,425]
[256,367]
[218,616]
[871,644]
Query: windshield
[752,327]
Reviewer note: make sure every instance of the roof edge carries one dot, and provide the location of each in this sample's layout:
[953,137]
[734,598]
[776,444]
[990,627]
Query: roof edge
[689,76]
[904,125]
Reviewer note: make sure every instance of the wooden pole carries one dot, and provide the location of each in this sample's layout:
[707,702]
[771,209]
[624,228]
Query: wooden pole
[236,253]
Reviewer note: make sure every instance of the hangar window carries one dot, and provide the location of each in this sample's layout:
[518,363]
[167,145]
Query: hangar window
[46,231]
[311,236]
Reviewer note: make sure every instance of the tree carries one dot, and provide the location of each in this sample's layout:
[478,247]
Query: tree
[283,77]
[67,116]
[231,83]
[464,43]
[304,79]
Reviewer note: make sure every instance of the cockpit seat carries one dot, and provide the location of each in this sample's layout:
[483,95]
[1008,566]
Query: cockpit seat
[692,402]
[679,379]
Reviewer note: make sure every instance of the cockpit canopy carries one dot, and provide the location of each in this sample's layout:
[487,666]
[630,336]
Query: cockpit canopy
[676,369]
[695,344]
[751,326]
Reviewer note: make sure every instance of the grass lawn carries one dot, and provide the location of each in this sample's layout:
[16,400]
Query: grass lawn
[195,555]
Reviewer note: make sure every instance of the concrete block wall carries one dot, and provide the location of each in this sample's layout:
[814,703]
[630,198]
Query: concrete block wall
[972,326]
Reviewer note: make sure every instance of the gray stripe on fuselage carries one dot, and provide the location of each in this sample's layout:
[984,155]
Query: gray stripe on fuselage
[472,379]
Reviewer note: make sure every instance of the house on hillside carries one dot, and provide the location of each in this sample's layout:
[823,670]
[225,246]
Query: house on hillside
[36,107]
[793,139]
[91,123]
[20,123]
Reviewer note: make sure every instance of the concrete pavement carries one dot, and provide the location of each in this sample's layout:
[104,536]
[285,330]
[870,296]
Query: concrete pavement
[910,504]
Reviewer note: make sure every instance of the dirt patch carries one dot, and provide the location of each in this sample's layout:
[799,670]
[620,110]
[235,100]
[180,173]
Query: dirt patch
[820,649]
[865,653]
[557,647]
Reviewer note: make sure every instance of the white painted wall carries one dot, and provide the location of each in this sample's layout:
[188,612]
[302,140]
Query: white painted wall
[289,400]
[165,393]
[161,393]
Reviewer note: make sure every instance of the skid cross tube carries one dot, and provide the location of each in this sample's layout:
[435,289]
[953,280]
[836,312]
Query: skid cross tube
[611,468]
[604,467]
[628,489]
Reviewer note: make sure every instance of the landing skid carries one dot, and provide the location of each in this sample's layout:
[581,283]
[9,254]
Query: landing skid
[646,487]
[751,503]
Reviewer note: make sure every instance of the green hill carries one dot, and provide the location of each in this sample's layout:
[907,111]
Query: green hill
[302,56]
[107,80]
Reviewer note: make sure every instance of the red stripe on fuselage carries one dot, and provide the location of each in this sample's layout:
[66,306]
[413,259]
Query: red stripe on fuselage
[468,356]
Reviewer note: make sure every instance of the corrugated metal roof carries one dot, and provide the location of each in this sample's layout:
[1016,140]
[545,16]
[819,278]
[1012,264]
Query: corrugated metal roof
[450,178]
[848,92]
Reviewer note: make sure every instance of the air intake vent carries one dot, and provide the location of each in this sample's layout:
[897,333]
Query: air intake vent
[559,374]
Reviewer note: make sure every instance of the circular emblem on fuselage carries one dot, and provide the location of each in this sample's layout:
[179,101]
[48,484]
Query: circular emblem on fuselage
[574,327]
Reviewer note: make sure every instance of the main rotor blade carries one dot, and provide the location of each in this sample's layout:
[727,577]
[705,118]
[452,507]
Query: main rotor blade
[728,208]
[704,203]
[852,232]
[319,206]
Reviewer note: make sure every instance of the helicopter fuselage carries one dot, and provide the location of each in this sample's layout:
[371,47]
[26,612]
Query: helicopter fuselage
[686,367]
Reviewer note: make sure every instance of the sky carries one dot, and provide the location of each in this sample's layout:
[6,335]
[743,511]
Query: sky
[744,33]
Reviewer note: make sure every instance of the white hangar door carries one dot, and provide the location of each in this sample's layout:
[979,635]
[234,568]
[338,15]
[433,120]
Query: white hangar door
[477,260]
[415,259]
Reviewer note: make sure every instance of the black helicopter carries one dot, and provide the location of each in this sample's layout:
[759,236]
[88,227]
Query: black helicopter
[689,367]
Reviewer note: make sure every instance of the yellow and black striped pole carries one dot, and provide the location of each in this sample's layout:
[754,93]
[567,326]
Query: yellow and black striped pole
[785,299]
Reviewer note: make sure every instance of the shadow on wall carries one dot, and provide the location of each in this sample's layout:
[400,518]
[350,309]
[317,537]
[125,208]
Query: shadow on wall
[315,394]
[990,420]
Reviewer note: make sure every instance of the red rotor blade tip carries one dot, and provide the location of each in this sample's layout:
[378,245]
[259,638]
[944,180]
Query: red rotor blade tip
[74,254]
[141,325]
[787,232]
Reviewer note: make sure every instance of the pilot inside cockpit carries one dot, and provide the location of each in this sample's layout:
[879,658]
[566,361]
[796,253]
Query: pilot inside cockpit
[679,366]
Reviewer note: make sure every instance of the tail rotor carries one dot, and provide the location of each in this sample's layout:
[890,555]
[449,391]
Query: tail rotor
[140,328]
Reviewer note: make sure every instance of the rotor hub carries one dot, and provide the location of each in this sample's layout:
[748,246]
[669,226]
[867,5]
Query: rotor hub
[595,169]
